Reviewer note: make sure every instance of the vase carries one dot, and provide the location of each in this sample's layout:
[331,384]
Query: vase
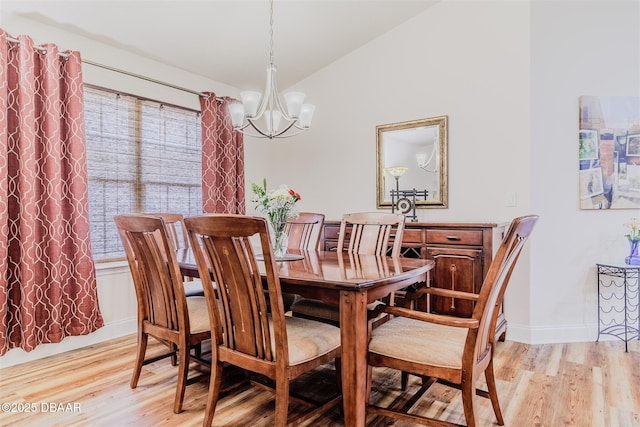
[279,239]
[633,258]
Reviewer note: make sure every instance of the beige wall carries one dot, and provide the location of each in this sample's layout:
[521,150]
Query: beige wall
[467,60]
[578,48]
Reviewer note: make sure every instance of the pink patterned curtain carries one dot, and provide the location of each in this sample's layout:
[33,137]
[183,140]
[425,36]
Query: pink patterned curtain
[47,276]
[222,159]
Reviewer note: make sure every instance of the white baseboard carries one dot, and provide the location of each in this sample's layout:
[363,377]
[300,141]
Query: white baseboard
[553,334]
[113,330]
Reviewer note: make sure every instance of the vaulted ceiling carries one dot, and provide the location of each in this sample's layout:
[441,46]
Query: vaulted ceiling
[227,41]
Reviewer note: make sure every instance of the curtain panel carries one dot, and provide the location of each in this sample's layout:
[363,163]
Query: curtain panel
[222,159]
[47,276]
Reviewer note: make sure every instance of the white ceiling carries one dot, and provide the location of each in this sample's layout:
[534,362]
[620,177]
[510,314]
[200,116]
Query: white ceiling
[227,41]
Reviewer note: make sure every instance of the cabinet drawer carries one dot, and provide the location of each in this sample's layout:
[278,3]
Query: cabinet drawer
[412,236]
[331,232]
[455,237]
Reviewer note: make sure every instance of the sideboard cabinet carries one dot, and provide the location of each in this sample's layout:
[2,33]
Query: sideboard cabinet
[462,252]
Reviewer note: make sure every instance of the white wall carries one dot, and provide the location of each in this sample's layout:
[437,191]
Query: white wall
[578,48]
[508,75]
[467,60]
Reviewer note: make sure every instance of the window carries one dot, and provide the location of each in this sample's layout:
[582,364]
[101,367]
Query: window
[142,156]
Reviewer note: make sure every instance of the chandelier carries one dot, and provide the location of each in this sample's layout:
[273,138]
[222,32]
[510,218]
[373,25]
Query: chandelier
[254,106]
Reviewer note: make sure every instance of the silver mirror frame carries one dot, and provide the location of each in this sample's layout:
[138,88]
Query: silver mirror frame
[441,200]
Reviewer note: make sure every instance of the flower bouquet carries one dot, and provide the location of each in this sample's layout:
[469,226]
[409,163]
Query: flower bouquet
[633,236]
[279,206]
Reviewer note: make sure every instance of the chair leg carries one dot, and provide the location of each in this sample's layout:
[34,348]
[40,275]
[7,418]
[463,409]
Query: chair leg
[183,371]
[338,363]
[469,401]
[282,401]
[404,380]
[214,391]
[174,358]
[369,381]
[142,349]
[493,392]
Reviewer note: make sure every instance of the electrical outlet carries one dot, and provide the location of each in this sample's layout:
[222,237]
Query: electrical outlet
[511,199]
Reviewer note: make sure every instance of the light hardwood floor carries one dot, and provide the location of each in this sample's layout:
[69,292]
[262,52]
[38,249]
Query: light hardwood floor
[578,384]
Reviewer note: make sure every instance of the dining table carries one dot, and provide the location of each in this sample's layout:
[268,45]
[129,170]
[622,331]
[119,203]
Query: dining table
[350,281]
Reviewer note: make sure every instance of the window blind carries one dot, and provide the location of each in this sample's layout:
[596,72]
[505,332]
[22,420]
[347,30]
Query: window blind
[142,156]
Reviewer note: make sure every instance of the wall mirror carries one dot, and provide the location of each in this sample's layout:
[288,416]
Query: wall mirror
[412,164]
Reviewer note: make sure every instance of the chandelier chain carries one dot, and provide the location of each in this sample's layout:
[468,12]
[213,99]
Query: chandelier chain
[271,32]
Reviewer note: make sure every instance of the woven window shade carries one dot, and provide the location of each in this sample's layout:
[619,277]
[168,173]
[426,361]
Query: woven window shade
[142,156]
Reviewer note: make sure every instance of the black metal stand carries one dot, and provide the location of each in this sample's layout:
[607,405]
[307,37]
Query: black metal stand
[409,195]
[618,302]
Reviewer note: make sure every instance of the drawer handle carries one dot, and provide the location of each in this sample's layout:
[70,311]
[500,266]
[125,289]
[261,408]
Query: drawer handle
[453,238]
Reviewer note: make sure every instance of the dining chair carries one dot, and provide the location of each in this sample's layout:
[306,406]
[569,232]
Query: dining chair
[303,234]
[451,350]
[363,233]
[177,234]
[244,334]
[304,231]
[164,312]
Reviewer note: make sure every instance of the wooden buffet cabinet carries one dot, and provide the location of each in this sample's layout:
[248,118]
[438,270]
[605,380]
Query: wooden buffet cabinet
[462,251]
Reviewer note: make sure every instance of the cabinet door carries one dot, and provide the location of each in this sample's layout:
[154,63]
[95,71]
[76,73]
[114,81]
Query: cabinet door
[458,269]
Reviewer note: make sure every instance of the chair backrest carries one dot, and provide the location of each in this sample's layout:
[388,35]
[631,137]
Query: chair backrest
[495,283]
[370,233]
[176,231]
[155,271]
[237,305]
[304,231]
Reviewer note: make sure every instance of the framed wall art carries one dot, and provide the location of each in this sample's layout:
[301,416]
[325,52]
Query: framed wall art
[591,183]
[609,152]
[633,145]
[588,144]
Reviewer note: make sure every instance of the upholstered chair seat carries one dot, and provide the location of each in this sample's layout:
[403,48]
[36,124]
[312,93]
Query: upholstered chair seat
[406,339]
[198,314]
[307,339]
[193,288]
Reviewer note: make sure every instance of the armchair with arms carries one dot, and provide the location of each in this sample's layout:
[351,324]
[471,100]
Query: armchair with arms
[452,350]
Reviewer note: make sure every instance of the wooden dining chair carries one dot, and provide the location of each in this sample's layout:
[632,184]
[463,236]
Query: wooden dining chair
[304,231]
[364,233]
[452,350]
[244,334]
[164,312]
[177,235]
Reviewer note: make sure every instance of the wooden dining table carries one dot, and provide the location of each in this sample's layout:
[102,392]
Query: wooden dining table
[350,281]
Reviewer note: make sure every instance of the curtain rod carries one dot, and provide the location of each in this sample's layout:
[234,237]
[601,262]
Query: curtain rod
[128,73]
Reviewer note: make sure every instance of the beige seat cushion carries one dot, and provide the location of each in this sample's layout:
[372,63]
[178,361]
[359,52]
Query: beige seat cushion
[308,339]
[198,314]
[420,342]
[193,288]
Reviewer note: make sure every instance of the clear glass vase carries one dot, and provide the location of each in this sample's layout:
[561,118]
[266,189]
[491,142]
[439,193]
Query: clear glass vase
[279,239]
[633,258]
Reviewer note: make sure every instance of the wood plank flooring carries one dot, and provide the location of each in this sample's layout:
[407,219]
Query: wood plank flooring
[578,384]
